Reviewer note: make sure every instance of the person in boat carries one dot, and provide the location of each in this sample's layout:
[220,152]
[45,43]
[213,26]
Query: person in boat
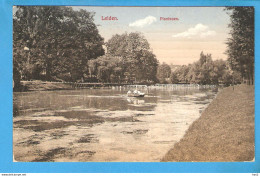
[135,93]
[129,92]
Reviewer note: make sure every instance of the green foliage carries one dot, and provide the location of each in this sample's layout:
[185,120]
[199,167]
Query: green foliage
[54,42]
[241,43]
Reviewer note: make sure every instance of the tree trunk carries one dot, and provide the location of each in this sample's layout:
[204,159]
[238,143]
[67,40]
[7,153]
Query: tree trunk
[252,77]
[48,68]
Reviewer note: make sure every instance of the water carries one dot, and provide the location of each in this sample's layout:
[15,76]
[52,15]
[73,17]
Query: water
[103,124]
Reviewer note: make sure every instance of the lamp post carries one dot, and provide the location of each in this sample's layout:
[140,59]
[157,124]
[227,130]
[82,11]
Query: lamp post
[27,49]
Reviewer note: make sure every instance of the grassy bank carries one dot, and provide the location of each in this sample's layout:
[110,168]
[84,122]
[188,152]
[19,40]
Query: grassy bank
[38,85]
[42,86]
[224,132]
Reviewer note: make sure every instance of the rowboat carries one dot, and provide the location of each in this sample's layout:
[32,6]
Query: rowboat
[135,94]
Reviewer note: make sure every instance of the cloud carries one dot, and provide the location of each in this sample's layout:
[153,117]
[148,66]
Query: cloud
[143,22]
[199,30]
[208,33]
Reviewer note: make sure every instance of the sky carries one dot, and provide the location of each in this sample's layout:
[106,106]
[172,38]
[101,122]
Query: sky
[177,42]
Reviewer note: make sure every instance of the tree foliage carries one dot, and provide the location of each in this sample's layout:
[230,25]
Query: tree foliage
[58,43]
[205,71]
[163,73]
[54,42]
[138,59]
[107,68]
[241,42]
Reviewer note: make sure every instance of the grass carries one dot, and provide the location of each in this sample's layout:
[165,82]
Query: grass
[224,132]
[43,86]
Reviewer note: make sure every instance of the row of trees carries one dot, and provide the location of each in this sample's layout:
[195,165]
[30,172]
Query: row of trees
[58,43]
[54,42]
[204,71]
[241,41]
[240,50]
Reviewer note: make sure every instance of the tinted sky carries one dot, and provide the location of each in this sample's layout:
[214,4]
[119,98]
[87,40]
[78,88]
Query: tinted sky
[174,42]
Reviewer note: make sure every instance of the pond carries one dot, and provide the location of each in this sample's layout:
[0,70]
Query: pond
[103,124]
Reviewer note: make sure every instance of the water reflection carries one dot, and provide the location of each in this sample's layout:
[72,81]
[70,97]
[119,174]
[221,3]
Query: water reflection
[103,124]
[136,101]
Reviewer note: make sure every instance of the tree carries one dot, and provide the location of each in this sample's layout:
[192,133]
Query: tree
[241,43]
[205,71]
[58,40]
[206,67]
[16,77]
[138,59]
[107,68]
[180,74]
[174,78]
[199,72]
[219,68]
[163,73]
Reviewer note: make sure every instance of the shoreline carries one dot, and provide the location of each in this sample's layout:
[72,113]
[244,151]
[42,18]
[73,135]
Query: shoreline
[31,86]
[225,130]
[37,85]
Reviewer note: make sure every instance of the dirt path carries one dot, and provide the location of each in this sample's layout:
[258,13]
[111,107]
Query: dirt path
[224,132]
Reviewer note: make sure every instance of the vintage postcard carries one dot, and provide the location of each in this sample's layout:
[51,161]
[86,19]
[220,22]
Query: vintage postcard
[129,86]
[133,84]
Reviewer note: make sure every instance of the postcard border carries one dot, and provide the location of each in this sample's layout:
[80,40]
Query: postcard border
[6,161]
